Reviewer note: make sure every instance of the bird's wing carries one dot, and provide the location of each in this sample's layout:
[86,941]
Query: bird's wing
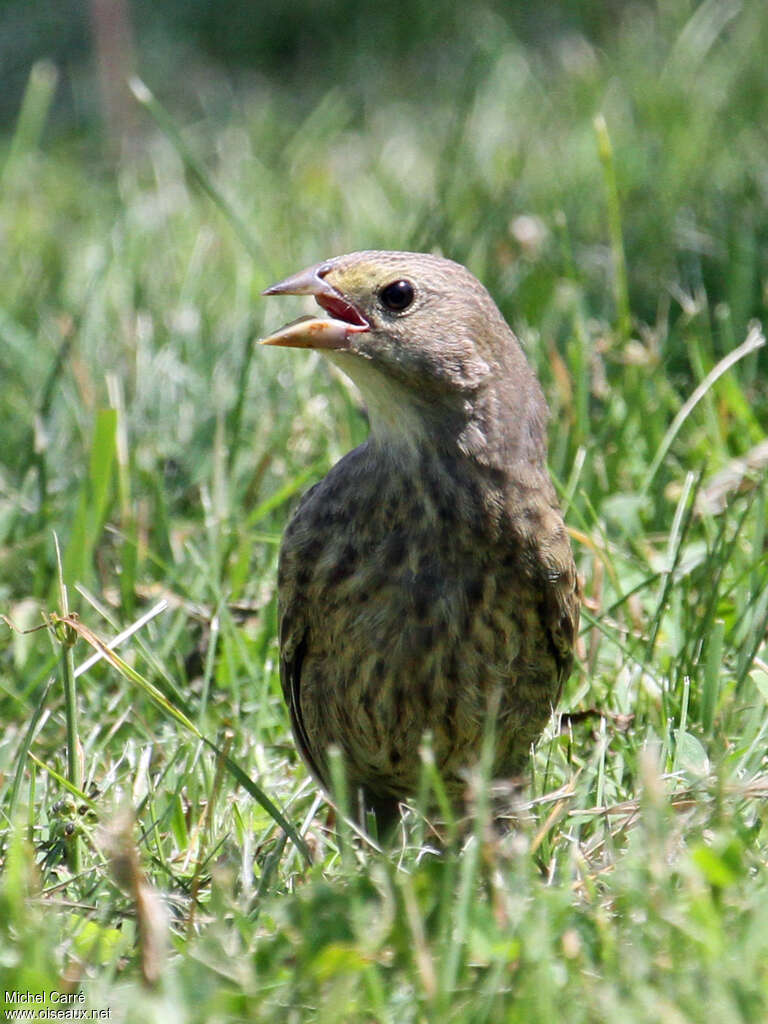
[561,605]
[295,635]
[563,622]
[541,551]
[291,662]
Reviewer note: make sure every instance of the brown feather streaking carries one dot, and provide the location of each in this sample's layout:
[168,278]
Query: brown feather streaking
[429,576]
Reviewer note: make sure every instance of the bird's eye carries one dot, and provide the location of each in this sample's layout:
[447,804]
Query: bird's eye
[397,296]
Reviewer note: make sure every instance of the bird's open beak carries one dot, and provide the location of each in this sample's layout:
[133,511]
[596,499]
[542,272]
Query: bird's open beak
[320,332]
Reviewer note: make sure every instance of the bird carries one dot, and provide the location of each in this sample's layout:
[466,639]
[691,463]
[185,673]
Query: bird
[427,582]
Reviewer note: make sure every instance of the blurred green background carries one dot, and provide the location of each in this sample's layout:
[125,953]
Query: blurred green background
[506,89]
[404,46]
[603,169]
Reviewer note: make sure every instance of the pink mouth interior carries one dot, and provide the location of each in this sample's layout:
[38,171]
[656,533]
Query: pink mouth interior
[341,310]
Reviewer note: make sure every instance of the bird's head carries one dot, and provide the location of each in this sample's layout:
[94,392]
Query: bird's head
[423,340]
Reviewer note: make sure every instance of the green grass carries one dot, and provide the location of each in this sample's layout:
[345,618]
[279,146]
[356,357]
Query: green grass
[143,429]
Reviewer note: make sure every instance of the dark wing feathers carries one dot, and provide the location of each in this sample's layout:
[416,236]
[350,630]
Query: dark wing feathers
[290,677]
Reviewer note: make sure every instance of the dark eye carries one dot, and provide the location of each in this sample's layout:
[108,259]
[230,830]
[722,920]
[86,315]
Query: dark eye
[397,296]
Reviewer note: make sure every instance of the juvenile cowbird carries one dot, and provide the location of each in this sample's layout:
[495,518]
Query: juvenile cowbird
[428,577]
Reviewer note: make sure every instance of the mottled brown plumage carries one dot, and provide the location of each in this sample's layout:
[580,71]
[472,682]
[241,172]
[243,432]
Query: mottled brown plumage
[429,574]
